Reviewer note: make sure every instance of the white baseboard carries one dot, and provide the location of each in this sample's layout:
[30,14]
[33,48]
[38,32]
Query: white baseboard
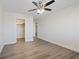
[7,43]
[65,46]
[2,45]
[1,48]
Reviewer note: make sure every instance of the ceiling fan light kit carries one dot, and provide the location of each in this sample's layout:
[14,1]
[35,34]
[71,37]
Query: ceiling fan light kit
[41,7]
[40,11]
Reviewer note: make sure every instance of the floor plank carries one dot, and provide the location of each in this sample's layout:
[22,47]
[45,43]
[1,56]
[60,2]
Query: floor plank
[38,49]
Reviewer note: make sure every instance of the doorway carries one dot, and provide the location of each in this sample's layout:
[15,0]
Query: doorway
[20,30]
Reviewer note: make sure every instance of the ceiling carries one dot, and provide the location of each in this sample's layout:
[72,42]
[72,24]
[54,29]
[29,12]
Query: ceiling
[21,6]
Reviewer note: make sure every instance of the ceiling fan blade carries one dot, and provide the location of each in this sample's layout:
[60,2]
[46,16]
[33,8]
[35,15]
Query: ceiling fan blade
[47,9]
[32,10]
[35,3]
[50,2]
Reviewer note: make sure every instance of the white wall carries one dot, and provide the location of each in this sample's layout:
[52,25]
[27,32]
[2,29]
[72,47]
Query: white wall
[1,40]
[29,28]
[10,27]
[34,30]
[61,27]
[0,22]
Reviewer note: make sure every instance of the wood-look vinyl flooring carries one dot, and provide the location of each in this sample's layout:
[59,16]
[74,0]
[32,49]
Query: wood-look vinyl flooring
[38,49]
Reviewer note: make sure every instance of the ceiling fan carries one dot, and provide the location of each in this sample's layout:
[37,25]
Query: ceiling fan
[41,7]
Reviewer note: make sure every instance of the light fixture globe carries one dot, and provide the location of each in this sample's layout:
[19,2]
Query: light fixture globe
[40,11]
